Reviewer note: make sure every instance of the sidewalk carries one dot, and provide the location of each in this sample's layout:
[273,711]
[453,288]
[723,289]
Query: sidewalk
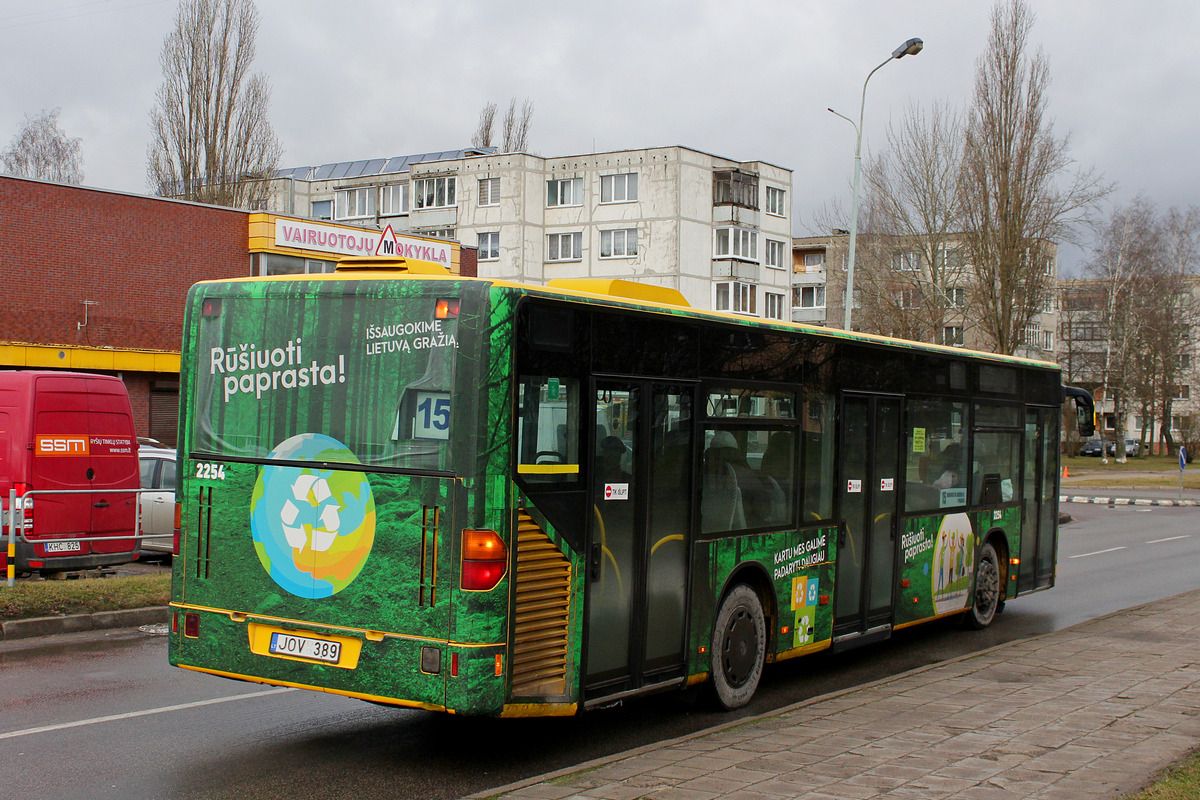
[1093,711]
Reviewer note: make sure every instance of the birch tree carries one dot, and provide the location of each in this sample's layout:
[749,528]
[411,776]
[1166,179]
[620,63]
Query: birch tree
[43,150]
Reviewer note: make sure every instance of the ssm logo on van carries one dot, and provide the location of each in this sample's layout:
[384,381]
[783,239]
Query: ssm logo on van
[61,445]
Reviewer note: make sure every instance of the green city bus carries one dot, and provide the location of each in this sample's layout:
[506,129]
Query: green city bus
[482,497]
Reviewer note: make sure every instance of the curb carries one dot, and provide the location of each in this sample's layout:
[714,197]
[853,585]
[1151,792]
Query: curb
[101,620]
[1127,501]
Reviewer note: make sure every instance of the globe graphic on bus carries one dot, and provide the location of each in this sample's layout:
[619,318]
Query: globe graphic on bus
[312,528]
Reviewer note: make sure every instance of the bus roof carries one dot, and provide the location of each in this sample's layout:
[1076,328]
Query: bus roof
[618,293]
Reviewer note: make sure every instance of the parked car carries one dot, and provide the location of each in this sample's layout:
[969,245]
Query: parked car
[1092,447]
[157,506]
[1132,447]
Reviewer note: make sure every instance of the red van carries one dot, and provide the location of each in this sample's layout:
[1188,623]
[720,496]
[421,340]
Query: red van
[64,431]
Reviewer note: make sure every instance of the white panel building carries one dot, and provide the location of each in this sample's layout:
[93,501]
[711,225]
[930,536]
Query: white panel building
[716,229]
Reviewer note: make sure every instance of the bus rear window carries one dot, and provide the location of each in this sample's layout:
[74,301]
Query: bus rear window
[322,372]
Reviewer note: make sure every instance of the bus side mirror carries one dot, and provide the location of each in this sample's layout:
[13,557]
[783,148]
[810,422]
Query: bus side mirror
[1085,409]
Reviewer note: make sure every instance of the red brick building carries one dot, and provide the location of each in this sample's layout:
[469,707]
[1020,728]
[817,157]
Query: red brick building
[95,280]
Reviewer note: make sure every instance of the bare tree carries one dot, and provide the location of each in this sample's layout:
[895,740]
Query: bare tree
[1171,310]
[1021,189]
[1126,264]
[516,125]
[212,140]
[484,130]
[43,150]
[912,278]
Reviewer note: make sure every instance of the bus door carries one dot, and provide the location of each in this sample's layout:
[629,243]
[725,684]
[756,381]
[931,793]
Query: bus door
[637,546]
[866,553]
[1039,508]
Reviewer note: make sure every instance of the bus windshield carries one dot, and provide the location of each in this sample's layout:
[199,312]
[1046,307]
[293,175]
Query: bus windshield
[294,371]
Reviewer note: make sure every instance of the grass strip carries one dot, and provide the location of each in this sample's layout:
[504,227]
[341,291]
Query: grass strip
[1179,783]
[62,598]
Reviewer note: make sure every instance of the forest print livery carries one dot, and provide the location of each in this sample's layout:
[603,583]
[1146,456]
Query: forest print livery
[491,498]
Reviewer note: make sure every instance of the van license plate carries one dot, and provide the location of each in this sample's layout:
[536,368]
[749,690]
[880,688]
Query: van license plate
[63,547]
[285,644]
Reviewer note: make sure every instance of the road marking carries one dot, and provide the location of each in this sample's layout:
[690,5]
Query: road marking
[1098,552]
[135,714]
[1169,539]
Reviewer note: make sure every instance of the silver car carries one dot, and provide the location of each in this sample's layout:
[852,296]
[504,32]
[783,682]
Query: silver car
[157,505]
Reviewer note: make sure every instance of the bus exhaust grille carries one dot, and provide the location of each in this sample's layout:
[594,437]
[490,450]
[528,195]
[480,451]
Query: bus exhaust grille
[541,627]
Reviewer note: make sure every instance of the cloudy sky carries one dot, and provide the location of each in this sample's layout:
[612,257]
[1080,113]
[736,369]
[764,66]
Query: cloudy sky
[748,81]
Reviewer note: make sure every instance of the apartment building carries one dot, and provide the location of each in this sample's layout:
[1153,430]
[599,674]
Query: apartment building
[908,287]
[716,229]
[1092,356]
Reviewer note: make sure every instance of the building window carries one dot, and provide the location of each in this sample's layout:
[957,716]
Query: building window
[774,254]
[618,244]
[489,246]
[618,188]
[564,247]
[735,243]
[565,192]
[321,209]
[1033,335]
[774,305]
[909,298]
[949,259]
[489,191]
[952,335]
[1084,331]
[814,262]
[736,296]
[355,203]
[775,202]
[906,262]
[1047,340]
[956,297]
[1185,360]
[735,188]
[437,233]
[434,192]
[395,199]
[1181,393]
[808,296]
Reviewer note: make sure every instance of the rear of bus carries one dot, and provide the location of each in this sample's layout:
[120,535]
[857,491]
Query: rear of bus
[337,528]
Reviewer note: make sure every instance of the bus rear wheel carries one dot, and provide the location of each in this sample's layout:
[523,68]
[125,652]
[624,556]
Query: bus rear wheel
[739,647]
[987,589]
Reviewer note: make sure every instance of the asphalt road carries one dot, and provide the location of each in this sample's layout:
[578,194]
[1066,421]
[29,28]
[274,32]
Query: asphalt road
[102,715]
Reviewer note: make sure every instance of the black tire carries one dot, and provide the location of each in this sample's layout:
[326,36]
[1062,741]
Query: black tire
[739,647]
[987,599]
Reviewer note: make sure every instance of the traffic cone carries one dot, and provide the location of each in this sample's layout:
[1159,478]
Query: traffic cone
[1065,474]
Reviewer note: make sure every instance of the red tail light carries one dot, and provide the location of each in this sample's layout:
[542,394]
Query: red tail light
[175,539]
[484,560]
[191,625]
[26,505]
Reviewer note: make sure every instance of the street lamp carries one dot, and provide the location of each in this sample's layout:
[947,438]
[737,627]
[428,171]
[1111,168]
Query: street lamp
[909,48]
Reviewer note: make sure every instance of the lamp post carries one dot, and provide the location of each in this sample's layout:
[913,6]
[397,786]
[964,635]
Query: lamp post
[909,48]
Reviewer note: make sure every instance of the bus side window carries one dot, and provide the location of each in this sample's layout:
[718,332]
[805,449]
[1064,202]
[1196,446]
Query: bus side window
[548,429]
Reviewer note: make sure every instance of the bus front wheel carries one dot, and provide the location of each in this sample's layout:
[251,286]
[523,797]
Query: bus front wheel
[739,647]
[987,589]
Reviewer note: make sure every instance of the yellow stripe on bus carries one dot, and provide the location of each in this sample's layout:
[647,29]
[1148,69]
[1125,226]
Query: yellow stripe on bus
[548,469]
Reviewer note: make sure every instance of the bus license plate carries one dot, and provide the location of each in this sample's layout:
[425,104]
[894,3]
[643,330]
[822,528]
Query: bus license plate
[63,547]
[285,644]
